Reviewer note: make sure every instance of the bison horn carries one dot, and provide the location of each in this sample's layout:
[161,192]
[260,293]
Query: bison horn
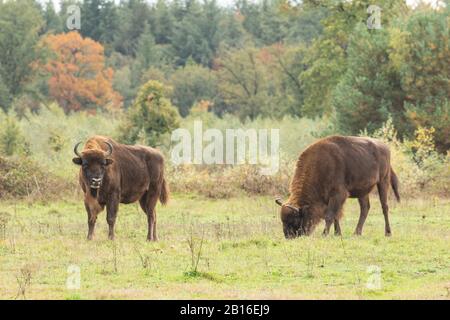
[280,203]
[75,149]
[110,149]
[293,208]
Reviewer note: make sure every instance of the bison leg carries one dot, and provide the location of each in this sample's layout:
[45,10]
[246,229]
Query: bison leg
[337,227]
[328,223]
[364,205]
[334,207]
[92,209]
[148,204]
[383,188]
[92,218]
[111,215]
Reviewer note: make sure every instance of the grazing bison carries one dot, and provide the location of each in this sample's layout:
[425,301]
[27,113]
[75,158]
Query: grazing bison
[113,173]
[327,173]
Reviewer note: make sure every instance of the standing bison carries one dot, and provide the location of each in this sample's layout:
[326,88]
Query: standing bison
[327,173]
[113,173]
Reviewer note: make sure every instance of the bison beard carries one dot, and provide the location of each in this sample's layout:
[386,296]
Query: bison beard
[93,192]
[330,171]
[113,173]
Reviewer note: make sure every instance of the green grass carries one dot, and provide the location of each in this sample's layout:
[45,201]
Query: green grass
[243,253]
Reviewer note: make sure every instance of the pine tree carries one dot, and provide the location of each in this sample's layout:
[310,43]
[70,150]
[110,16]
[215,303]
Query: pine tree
[133,16]
[326,58]
[197,35]
[162,22]
[90,13]
[420,53]
[53,23]
[147,53]
[108,23]
[369,91]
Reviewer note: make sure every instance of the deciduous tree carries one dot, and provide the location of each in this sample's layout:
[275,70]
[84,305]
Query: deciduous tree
[79,79]
[20,23]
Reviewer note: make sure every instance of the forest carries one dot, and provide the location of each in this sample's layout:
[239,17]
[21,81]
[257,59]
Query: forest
[264,64]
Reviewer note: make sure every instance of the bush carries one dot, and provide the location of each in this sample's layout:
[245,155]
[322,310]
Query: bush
[220,182]
[12,140]
[22,177]
[419,167]
[433,113]
[151,116]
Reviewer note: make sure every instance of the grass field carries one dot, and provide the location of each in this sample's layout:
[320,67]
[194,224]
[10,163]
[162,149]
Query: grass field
[223,249]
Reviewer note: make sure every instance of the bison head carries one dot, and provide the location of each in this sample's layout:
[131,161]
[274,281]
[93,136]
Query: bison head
[293,220]
[93,164]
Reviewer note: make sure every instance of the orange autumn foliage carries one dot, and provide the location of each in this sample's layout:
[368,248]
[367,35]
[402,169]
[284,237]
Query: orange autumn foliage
[78,77]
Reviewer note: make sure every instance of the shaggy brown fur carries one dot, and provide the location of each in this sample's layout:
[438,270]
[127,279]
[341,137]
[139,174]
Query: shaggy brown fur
[327,173]
[129,174]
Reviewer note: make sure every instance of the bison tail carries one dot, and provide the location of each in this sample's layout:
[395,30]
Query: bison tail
[164,195]
[394,184]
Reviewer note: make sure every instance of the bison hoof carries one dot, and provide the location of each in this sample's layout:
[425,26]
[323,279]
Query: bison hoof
[388,234]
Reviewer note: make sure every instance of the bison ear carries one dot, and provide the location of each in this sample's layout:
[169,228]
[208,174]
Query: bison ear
[108,161]
[278,202]
[77,160]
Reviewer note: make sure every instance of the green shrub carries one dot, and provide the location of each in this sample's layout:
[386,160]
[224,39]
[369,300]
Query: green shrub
[151,116]
[434,114]
[12,140]
[419,167]
[21,176]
